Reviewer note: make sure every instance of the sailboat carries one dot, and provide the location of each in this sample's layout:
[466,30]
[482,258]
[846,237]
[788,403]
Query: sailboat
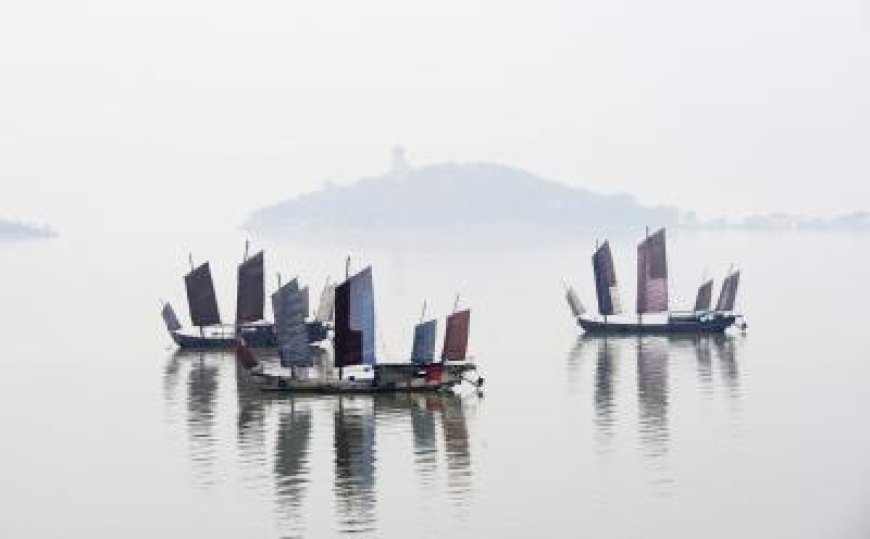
[307,367]
[207,330]
[652,297]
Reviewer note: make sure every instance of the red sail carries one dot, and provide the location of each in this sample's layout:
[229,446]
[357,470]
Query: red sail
[201,297]
[251,293]
[652,274]
[456,336]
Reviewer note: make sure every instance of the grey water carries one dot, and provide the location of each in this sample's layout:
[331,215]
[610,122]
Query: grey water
[110,431]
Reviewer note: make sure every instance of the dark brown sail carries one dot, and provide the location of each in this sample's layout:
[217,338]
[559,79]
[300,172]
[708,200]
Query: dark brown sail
[251,293]
[705,296]
[652,274]
[201,297]
[355,321]
[605,281]
[456,336]
[728,295]
[169,318]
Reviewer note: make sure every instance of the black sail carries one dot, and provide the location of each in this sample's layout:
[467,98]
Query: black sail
[201,297]
[252,292]
[652,274]
[605,281]
[705,296]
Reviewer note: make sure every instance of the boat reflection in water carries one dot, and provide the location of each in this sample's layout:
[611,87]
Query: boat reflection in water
[655,358]
[286,446]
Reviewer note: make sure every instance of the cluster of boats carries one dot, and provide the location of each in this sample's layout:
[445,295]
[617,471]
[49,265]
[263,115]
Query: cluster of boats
[652,297]
[315,349]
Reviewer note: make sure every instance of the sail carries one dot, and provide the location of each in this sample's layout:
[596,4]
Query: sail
[705,296]
[326,307]
[290,304]
[251,293]
[728,295]
[169,318]
[423,349]
[574,302]
[456,336]
[201,297]
[652,274]
[355,321]
[606,289]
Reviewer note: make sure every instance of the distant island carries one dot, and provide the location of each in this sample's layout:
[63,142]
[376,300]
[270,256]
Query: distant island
[475,198]
[12,230]
[854,221]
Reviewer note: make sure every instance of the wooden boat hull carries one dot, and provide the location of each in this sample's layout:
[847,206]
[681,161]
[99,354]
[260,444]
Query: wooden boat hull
[404,380]
[256,336]
[710,323]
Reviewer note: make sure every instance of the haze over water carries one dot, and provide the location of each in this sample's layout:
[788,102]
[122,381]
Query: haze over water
[109,431]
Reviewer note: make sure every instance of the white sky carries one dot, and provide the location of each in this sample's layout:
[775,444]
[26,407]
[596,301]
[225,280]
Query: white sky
[122,112]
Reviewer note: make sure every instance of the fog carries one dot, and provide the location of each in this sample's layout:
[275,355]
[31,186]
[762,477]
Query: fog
[134,116]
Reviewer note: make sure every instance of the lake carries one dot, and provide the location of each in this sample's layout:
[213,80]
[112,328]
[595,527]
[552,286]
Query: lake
[112,432]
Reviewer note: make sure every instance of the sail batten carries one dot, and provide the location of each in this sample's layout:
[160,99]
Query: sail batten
[251,293]
[290,304]
[652,274]
[606,289]
[201,298]
[423,349]
[456,336]
[705,296]
[355,321]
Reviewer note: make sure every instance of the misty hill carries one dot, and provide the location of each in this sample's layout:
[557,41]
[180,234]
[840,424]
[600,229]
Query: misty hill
[477,197]
[11,230]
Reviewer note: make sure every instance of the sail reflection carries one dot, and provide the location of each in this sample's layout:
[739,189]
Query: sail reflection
[655,357]
[283,442]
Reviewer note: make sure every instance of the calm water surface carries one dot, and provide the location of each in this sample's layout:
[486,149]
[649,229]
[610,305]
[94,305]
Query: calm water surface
[110,431]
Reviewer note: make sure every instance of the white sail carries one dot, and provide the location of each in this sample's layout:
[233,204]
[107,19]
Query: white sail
[326,307]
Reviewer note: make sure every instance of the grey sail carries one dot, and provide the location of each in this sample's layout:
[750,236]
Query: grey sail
[606,290]
[251,294]
[326,307]
[728,295]
[423,349]
[201,297]
[705,296]
[290,304]
[574,302]
[652,274]
[169,318]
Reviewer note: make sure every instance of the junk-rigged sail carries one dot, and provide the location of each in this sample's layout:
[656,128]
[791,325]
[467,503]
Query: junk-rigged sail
[456,336]
[652,274]
[605,281]
[201,297]
[355,321]
[169,318]
[728,295]
[705,296]
[252,292]
[290,304]
[423,349]
[326,307]
[574,302]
